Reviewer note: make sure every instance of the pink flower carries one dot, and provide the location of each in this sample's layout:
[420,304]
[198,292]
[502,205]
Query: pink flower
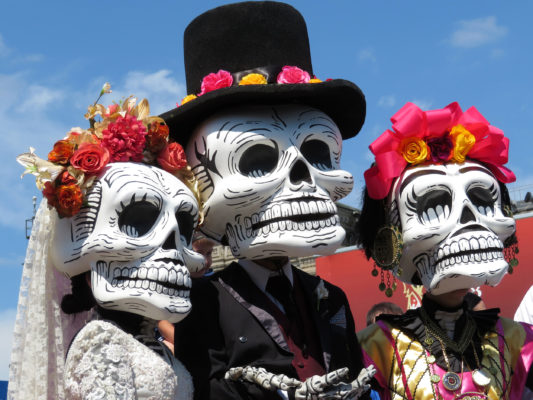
[125,139]
[216,81]
[291,74]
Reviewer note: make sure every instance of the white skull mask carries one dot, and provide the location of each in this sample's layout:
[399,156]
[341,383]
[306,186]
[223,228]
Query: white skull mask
[134,236]
[269,176]
[452,225]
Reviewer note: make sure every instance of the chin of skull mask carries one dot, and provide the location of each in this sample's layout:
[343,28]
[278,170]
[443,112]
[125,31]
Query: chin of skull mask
[269,176]
[453,226]
[134,234]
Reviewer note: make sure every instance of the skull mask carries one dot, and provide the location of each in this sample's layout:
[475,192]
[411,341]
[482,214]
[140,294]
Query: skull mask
[453,226]
[269,176]
[133,235]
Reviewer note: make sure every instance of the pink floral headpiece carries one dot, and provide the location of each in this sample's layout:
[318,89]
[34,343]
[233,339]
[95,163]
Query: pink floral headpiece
[223,79]
[435,136]
[126,132]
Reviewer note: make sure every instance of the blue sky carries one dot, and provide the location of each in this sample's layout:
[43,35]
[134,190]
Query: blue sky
[55,56]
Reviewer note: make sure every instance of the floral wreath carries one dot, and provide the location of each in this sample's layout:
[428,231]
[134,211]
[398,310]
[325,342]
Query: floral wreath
[435,137]
[217,80]
[125,133]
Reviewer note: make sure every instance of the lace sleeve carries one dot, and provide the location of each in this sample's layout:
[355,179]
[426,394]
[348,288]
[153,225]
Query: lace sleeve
[98,365]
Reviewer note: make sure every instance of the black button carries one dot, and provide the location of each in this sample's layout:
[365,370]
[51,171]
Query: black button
[243,339]
[300,364]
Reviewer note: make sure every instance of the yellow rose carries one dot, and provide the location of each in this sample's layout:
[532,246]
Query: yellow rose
[314,80]
[414,150]
[463,141]
[253,79]
[188,98]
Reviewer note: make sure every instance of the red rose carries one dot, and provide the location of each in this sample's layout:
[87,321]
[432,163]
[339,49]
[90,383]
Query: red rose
[214,81]
[291,74]
[65,179]
[61,152]
[172,158]
[49,192]
[69,200]
[90,158]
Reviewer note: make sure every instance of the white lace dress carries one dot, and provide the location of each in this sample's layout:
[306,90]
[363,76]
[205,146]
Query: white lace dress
[104,362]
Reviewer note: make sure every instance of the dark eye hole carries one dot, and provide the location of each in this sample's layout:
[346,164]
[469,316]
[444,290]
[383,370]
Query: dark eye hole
[186,225]
[138,218]
[258,160]
[317,153]
[434,206]
[482,198]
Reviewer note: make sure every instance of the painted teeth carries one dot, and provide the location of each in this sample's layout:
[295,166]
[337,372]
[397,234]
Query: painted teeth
[151,278]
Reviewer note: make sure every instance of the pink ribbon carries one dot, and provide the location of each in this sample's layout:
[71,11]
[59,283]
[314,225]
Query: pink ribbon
[491,147]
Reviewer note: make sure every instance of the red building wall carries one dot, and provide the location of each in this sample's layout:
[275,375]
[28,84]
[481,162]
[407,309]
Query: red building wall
[352,272]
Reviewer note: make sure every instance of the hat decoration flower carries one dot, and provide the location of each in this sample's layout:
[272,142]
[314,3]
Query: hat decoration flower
[121,132]
[289,74]
[436,137]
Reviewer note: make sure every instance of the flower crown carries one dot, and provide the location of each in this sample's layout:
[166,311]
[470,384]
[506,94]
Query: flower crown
[436,137]
[125,132]
[222,79]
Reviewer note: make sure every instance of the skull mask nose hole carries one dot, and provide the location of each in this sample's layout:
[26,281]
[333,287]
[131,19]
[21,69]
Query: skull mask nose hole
[170,242]
[300,173]
[467,216]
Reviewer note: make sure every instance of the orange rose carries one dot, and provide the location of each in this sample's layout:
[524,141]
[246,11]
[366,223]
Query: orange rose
[69,200]
[187,98]
[49,192]
[157,136]
[65,179]
[414,150]
[90,158]
[61,152]
[253,79]
[172,158]
[463,141]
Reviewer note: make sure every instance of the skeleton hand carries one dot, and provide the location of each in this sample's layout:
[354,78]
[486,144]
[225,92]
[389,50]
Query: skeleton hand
[329,386]
[261,377]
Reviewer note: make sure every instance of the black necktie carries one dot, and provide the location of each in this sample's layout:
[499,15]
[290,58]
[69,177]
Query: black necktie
[280,287]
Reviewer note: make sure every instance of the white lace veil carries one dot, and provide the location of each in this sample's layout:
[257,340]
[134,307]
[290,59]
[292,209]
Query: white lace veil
[42,331]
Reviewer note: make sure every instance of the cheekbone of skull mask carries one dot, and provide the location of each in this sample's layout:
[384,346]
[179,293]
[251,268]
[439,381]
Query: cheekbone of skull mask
[269,177]
[452,224]
[134,235]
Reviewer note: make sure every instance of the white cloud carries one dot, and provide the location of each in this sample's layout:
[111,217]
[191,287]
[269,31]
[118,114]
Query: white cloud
[387,101]
[367,55]
[477,32]
[39,98]
[423,104]
[7,323]
[160,88]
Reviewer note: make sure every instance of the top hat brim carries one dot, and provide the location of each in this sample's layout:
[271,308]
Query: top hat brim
[340,99]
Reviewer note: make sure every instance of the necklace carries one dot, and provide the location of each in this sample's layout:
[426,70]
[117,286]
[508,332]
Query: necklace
[451,380]
[480,377]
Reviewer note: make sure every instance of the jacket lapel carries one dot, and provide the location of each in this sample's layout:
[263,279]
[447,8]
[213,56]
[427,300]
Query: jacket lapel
[239,285]
[319,311]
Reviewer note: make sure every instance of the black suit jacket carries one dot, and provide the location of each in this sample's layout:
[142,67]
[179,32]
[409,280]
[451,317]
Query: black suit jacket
[229,327]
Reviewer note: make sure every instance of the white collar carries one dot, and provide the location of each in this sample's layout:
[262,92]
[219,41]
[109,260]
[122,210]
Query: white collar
[259,275]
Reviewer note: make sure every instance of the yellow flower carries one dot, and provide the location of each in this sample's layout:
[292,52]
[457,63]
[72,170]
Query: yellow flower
[463,141]
[253,79]
[315,80]
[414,150]
[188,98]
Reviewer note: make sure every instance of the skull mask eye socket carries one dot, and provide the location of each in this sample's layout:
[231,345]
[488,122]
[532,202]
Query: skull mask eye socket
[434,206]
[317,153]
[483,198]
[137,218]
[259,160]
[186,225]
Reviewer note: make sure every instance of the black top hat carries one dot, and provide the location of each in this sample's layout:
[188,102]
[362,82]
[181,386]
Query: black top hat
[257,37]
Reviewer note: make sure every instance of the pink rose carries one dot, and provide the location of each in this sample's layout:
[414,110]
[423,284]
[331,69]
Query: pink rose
[291,74]
[214,81]
[90,158]
[172,158]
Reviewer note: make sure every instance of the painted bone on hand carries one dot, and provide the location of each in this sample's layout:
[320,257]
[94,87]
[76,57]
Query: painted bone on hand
[329,386]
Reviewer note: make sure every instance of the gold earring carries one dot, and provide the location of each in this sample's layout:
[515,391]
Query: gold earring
[388,246]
